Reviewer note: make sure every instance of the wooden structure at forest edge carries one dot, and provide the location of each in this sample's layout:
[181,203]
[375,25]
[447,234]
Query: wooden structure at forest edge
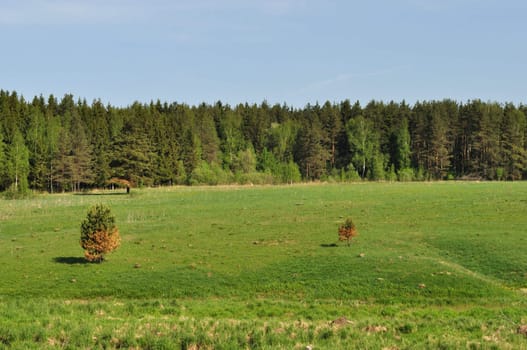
[118,181]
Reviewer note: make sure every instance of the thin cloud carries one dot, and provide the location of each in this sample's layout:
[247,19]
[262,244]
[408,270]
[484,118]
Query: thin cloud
[344,78]
[447,5]
[64,12]
[60,12]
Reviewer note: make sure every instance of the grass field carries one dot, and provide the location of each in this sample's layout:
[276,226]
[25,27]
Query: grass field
[435,265]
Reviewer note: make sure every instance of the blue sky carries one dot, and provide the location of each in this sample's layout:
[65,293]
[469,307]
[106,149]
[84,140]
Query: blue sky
[282,51]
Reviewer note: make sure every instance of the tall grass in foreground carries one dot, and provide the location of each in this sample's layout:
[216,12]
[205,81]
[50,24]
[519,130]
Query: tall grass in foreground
[438,265]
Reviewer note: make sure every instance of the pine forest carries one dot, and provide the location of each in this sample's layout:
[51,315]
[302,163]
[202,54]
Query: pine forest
[57,145]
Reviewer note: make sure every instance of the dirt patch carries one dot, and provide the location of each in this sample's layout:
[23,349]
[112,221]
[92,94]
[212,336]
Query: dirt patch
[341,322]
[522,329]
[376,329]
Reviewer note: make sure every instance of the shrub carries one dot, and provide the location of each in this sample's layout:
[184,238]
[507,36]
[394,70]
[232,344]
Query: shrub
[289,173]
[391,175]
[99,235]
[209,174]
[350,174]
[347,231]
[406,174]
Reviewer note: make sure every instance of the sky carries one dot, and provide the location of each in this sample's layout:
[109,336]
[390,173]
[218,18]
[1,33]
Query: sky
[281,51]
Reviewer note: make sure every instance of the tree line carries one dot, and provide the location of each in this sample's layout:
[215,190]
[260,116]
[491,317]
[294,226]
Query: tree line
[48,144]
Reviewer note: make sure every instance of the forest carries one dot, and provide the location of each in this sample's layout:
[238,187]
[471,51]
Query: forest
[57,145]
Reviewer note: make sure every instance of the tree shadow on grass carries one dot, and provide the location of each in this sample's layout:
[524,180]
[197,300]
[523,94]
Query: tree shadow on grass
[329,245]
[70,260]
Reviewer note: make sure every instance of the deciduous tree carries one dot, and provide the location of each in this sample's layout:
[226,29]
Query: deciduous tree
[363,141]
[18,163]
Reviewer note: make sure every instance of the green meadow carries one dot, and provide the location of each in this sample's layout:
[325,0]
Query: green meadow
[436,265]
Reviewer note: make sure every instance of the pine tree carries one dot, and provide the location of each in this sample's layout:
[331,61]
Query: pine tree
[438,155]
[487,140]
[331,124]
[133,157]
[403,151]
[81,156]
[310,155]
[61,167]
[513,142]
[210,142]
[99,234]
[53,130]
[191,151]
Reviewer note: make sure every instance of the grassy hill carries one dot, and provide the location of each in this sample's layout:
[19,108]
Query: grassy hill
[435,265]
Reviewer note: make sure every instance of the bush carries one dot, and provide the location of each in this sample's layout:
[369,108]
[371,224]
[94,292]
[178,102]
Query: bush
[350,174]
[210,174]
[406,174]
[391,175]
[288,173]
[99,235]
[347,231]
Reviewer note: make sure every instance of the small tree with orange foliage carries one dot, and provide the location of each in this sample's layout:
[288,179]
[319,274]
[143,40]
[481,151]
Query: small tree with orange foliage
[347,231]
[99,235]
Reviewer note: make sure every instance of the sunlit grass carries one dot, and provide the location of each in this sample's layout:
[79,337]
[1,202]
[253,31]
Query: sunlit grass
[436,264]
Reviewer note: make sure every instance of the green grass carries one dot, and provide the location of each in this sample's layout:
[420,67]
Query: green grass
[443,266]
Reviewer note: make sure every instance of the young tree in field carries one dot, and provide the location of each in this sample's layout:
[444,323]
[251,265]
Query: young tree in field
[99,234]
[347,231]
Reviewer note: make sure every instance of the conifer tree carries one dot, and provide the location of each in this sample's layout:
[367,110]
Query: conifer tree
[81,155]
[61,166]
[331,124]
[438,155]
[403,151]
[37,149]
[310,155]
[513,143]
[99,234]
[133,157]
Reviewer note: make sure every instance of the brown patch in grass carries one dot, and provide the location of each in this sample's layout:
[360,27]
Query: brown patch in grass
[341,322]
[522,329]
[376,329]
